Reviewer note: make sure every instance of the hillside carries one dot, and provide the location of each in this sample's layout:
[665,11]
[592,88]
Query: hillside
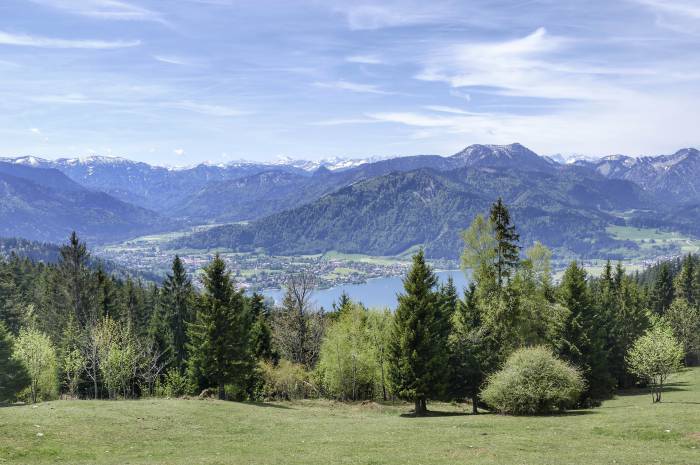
[43,204]
[627,430]
[389,214]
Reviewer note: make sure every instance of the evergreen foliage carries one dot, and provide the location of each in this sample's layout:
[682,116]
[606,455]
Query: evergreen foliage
[219,336]
[13,374]
[417,351]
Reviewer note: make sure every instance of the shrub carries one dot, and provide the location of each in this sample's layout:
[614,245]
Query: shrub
[287,381]
[174,384]
[533,381]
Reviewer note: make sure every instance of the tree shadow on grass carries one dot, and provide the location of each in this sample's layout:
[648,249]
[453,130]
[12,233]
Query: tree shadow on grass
[267,405]
[644,391]
[435,414]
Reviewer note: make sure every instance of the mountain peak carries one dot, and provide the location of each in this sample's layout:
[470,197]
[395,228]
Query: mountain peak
[513,155]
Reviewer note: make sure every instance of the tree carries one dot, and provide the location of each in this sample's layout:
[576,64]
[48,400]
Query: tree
[655,356]
[686,284]
[13,375]
[260,333]
[684,320]
[177,308]
[507,249]
[583,342]
[347,362]
[479,254]
[417,353]
[118,358]
[76,278]
[35,350]
[662,293]
[220,334]
[71,359]
[297,328]
[379,326]
[473,351]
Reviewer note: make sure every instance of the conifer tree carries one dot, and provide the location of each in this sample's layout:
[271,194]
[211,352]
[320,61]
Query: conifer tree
[685,284]
[76,278]
[583,340]
[417,354]
[507,249]
[662,293]
[13,375]
[260,333]
[177,302]
[219,337]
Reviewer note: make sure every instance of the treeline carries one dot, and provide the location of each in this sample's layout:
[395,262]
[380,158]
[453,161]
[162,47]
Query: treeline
[74,330]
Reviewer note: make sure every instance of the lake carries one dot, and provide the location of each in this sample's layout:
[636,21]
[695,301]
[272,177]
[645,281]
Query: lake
[375,293]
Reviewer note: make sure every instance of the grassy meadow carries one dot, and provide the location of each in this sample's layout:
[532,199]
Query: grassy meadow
[625,430]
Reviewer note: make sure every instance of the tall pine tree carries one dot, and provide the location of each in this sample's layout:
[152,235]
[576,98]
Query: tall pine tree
[583,338]
[177,301]
[507,249]
[219,337]
[417,351]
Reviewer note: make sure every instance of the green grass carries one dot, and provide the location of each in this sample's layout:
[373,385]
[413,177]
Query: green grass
[626,430]
[644,237]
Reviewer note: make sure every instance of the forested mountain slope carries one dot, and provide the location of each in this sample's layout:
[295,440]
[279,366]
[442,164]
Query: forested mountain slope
[389,214]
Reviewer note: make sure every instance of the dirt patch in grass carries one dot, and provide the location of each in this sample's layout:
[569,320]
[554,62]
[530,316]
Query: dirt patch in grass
[695,436]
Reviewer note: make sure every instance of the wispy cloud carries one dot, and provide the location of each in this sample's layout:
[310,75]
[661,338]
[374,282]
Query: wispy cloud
[206,109]
[173,60]
[445,109]
[365,59]
[678,15]
[104,9]
[365,15]
[677,7]
[352,87]
[24,40]
[529,66]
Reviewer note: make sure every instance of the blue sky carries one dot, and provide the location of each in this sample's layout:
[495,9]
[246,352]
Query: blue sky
[181,81]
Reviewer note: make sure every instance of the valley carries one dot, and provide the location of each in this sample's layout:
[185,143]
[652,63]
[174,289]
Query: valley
[353,220]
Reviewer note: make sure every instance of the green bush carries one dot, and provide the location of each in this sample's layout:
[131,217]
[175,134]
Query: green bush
[287,381]
[533,381]
[174,384]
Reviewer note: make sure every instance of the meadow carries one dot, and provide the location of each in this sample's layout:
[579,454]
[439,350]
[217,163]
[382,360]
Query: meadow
[628,429]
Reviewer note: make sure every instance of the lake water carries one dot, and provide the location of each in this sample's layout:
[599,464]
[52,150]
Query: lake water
[375,293]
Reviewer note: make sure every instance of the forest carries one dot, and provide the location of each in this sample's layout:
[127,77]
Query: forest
[516,341]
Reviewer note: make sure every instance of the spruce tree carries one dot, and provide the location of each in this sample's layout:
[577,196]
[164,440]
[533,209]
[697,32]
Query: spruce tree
[583,337]
[73,266]
[219,336]
[260,333]
[417,354]
[177,299]
[13,375]
[507,249]
[685,284]
[662,293]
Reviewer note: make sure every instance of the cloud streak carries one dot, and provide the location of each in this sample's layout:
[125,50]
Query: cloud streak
[117,10]
[352,87]
[23,40]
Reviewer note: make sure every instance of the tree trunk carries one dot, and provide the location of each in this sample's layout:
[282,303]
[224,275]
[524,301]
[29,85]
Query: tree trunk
[475,407]
[420,408]
[222,391]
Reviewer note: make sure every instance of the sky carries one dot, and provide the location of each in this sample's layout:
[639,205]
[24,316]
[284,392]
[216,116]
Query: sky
[183,81]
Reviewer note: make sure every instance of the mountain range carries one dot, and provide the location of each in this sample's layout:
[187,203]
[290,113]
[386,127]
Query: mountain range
[374,206]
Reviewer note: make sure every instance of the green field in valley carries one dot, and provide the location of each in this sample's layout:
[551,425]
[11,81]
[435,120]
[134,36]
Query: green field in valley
[625,430]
